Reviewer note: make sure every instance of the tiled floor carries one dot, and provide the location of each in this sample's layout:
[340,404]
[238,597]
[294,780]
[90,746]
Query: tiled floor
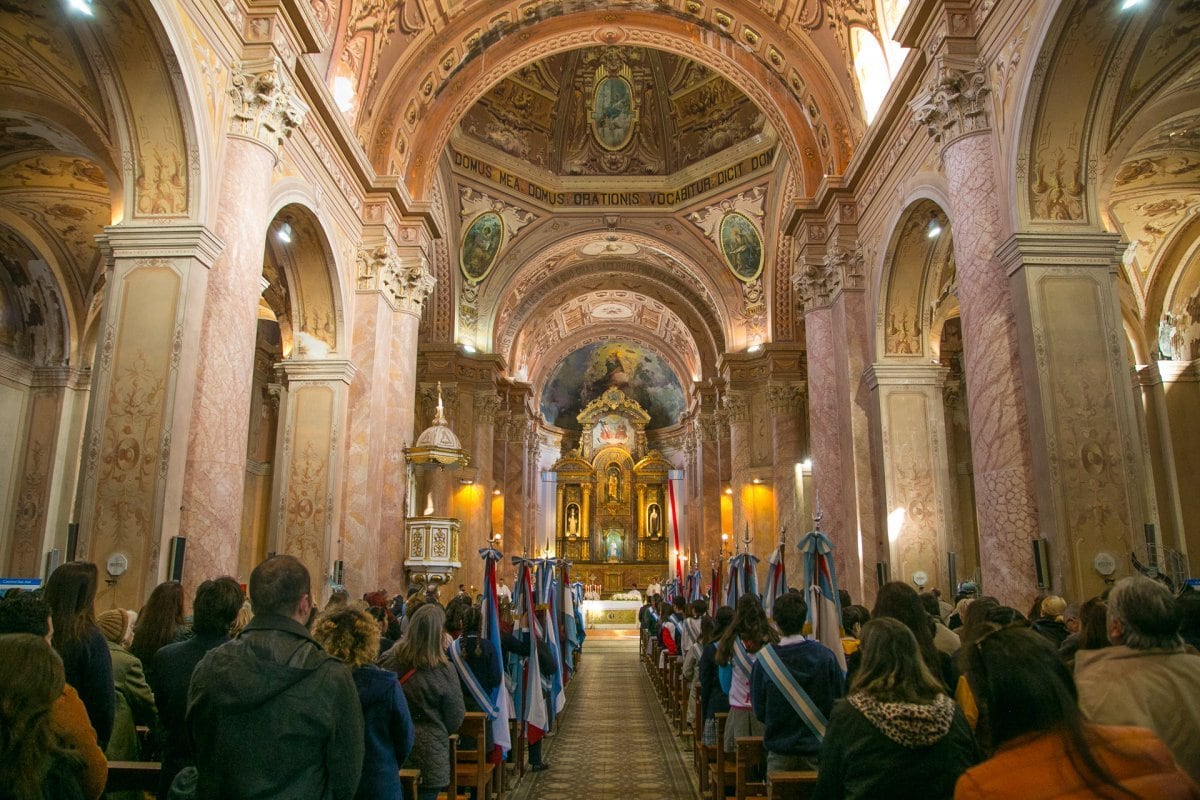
[614,743]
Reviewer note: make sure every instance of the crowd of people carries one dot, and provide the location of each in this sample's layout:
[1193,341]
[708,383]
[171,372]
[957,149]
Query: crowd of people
[971,701]
[247,697]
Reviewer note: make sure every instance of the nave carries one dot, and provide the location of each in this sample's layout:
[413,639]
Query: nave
[614,742]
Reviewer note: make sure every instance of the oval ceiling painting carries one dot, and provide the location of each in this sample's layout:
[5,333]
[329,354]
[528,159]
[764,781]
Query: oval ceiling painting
[636,370]
[742,246]
[480,245]
[612,112]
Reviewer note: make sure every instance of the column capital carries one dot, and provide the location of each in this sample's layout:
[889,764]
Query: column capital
[953,102]
[785,397]
[819,284]
[316,370]
[405,282]
[266,106]
[487,403]
[878,375]
[1179,371]
[160,241]
[737,407]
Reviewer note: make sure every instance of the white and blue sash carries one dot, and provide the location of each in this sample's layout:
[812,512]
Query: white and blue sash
[486,703]
[791,689]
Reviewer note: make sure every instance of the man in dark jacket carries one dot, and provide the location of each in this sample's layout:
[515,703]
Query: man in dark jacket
[271,714]
[214,610]
[790,743]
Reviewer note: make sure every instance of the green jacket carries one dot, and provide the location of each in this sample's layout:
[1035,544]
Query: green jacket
[272,715]
[135,704]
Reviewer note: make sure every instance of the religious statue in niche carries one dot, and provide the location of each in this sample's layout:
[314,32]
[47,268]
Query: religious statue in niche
[613,484]
[572,520]
[653,520]
[612,545]
[741,246]
[480,245]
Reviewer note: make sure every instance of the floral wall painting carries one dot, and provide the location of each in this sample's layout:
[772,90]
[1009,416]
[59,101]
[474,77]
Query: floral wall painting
[613,116]
[742,246]
[480,245]
[583,376]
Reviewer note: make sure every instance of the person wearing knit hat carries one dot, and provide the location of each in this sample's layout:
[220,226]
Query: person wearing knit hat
[135,701]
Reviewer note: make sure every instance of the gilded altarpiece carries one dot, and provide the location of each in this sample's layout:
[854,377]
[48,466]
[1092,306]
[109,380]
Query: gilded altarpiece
[611,499]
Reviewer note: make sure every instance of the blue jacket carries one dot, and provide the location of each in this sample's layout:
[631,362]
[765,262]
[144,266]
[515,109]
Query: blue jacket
[816,670]
[389,733]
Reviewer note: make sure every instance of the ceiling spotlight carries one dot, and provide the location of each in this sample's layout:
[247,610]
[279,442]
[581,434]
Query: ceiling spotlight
[467,481]
[496,492]
[934,228]
[754,348]
[756,481]
[469,349]
[83,7]
[728,490]
[1128,4]
[284,234]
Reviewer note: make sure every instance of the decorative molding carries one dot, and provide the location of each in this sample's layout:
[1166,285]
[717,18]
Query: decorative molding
[737,407]
[749,203]
[266,106]
[953,102]
[818,284]
[473,203]
[785,398]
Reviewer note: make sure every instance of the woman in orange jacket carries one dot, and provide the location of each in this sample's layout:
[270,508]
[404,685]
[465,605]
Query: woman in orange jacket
[1043,749]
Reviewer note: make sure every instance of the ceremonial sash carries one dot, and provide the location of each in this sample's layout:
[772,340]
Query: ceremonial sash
[791,689]
[486,704]
[742,658]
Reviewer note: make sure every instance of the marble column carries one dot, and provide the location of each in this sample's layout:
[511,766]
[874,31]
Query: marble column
[954,111]
[265,108]
[737,406]
[410,283]
[1088,456]
[707,500]
[787,408]
[305,497]
[46,462]
[830,285]
[917,483]
[141,412]
[1181,403]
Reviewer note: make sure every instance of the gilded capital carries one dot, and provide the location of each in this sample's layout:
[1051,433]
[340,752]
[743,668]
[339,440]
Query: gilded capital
[266,107]
[953,102]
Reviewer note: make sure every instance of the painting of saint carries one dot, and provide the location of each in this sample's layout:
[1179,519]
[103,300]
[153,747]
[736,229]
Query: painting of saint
[613,430]
[742,246]
[612,112]
[480,245]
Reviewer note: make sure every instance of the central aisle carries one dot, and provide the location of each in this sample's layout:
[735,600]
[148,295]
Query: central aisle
[615,742]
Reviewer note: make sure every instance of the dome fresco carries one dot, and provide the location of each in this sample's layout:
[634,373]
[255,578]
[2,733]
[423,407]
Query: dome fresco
[584,375]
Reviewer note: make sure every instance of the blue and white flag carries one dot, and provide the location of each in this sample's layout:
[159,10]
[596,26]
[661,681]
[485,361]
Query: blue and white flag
[821,593]
[776,580]
[502,701]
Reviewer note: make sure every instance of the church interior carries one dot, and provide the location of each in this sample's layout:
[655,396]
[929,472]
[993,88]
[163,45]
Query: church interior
[634,283]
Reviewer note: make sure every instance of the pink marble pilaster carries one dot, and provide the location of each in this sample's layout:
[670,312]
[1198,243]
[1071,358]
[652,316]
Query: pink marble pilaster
[399,434]
[216,451]
[786,407]
[1006,496]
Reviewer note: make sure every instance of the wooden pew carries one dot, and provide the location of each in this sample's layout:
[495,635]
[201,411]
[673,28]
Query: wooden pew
[451,792]
[722,771]
[471,766]
[791,785]
[702,754]
[132,776]
[751,767]
[409,780]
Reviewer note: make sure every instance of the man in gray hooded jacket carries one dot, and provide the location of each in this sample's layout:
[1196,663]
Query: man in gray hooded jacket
[271,714]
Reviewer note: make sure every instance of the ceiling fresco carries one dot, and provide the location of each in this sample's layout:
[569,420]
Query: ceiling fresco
[638,371]
[613,111]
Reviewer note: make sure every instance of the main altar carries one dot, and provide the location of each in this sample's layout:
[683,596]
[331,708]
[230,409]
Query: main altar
[611,501]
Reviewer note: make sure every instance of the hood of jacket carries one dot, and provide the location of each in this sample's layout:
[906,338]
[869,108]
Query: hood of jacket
[374,685]
[908,724]
[270,656]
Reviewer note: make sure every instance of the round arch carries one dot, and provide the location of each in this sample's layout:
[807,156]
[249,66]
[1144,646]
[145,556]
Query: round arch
[425,109]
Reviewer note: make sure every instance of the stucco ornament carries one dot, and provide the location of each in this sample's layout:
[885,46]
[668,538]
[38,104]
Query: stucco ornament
[265,106]
[953,103]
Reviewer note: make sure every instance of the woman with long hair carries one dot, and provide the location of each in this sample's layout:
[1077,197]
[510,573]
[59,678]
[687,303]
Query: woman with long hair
[351,635]
[71,595]
[1041,746]
[434,697]
[34,765]
[897,734]
[901,602]
[736,652]
[160,622]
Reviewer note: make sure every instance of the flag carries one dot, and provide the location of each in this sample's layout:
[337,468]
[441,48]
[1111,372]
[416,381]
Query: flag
[743,578]
[532,707]
[715,589]
[548,602]
[776,579]
[821,592]
[675,534]
[501,738]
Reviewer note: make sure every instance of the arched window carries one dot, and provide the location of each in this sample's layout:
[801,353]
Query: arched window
[871,70]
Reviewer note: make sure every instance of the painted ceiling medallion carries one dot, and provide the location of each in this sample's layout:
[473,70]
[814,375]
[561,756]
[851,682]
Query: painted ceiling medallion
[612,311]
[614,113]
[742,246]
[480,245]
